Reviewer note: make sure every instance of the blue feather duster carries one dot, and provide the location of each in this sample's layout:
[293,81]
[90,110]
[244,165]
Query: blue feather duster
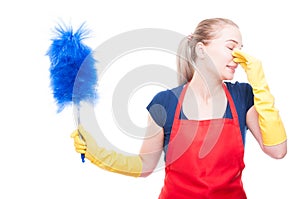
[73,73]
[72,60]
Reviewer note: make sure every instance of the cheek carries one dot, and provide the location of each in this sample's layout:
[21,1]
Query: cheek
[222,58]
[220,55]
[228,57]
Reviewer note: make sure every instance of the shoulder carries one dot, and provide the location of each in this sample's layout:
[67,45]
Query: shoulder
[167,96]
[242,94]
[239,88]
[238,85]
[163,105]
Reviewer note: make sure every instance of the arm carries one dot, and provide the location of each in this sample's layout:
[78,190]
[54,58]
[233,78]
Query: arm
[270,124]
[152,147]
[134,165]
[277,151]
[263,118]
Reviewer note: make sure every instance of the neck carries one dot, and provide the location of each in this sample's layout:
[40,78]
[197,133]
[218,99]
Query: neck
[204,99]
[207,86]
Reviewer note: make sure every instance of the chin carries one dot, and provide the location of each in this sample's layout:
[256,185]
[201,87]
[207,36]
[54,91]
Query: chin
[228,78]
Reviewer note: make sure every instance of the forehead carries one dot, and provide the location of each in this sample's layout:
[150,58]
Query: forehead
[229,33]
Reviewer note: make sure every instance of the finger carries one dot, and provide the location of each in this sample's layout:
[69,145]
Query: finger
[237,53]
[80,147]
[81,151]
[75,133]
[239,60]
[78,140]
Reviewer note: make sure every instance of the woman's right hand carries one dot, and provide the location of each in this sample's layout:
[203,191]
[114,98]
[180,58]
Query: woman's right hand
[79,144]
[106,159]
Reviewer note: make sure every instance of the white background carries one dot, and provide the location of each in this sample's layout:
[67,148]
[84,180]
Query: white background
[37,155]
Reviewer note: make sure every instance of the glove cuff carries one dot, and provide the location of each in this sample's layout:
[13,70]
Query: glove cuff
[116,162]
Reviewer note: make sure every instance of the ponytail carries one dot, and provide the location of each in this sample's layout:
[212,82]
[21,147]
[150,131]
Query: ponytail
[185,68]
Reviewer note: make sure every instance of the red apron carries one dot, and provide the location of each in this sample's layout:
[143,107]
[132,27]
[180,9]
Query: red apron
[204,158]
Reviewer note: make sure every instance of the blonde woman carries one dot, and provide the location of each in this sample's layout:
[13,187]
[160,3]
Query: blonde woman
[201,124]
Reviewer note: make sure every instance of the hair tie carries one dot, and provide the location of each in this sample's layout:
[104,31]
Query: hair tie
[190,37]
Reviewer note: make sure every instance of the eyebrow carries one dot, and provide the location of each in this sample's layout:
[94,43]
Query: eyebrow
[234,42]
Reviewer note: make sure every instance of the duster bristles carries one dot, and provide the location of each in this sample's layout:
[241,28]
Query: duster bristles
[72,61]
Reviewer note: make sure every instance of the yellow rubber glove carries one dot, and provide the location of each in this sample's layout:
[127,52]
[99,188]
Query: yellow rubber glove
[270,123]
[108,160]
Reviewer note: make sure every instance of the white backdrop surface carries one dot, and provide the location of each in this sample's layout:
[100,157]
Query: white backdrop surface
[37,154]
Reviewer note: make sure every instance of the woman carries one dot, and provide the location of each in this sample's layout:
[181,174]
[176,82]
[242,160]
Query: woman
[201,124]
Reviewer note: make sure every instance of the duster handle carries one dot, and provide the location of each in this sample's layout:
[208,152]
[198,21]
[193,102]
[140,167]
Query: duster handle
[82,156]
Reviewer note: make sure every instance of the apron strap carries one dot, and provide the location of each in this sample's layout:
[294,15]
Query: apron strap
[231,103]
[180,100]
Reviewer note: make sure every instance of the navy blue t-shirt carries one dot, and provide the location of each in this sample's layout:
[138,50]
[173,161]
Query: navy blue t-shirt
[163,105]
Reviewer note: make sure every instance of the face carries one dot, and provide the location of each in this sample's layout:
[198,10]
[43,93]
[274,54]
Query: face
[219,51]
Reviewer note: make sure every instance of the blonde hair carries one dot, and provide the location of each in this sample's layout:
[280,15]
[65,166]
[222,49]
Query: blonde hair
[186,56]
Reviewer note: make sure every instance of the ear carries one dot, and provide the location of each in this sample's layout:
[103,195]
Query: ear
[200,50]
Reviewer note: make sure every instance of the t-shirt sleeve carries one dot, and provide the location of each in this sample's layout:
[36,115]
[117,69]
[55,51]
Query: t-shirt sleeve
[249,97]
[157,108]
